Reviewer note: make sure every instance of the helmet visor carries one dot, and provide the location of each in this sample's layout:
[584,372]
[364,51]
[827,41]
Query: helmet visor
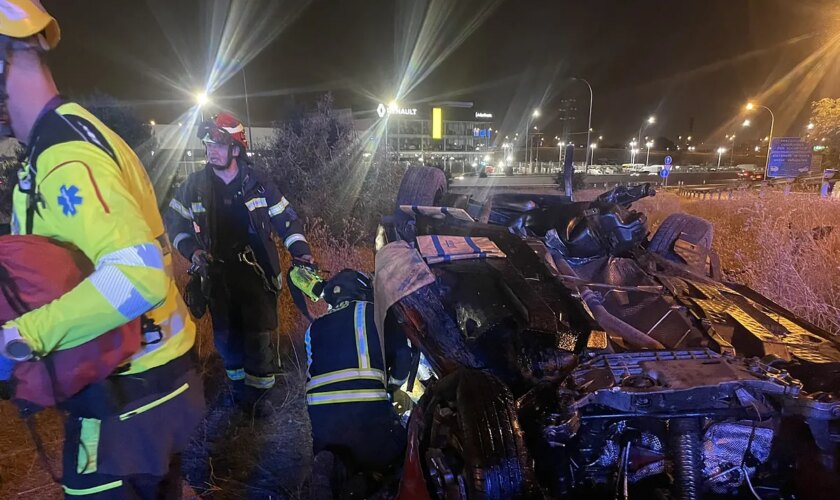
[208,132]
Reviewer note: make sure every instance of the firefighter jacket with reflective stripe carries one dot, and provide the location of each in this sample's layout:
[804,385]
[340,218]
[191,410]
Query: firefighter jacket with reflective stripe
[190,217]
[345,360]
[81,184]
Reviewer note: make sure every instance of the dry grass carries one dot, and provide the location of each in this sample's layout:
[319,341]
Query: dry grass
[773,245]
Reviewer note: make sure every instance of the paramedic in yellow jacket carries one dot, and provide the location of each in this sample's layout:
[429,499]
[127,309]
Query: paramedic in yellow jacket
[81,184]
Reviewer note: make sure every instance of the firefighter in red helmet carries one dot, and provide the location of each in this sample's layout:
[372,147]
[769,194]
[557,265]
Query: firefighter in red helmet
[222,219]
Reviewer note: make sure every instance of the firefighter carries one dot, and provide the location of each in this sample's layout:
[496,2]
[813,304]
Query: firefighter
[349,377]
[222,219]
[82,185]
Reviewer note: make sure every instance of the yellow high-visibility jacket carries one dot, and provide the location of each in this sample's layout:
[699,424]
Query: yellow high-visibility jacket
[83,185]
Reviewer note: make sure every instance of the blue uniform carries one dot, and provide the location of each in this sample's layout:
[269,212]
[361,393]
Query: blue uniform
[346,390]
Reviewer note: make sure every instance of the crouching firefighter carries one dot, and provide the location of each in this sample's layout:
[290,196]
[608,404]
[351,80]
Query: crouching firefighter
[349,371]
[222,219]
[82,186]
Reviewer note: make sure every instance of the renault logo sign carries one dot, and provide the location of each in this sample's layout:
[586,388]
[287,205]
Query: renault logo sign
[381,110]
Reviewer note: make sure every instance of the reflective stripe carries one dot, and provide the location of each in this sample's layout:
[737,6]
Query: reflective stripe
[181,209]
[307,342]
[145,255]
[238,374]
[148,406]
[94,490]
[294,238]
[179,238]
[118,290]
[198,208]
[279,208]
[323,398]
[361,336]
[345,376]
[256,203]
[88,454]
[259,382]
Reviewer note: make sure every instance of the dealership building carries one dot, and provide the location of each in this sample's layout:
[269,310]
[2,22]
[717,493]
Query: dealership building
[455,134]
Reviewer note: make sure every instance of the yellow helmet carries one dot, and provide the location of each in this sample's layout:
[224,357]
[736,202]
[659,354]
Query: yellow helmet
[25,18]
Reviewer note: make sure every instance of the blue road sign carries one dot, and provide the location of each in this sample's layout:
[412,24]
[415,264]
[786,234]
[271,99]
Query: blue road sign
[789,157]
[664,172]
[668,160]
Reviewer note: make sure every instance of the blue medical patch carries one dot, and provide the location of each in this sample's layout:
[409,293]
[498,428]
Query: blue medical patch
[69,199]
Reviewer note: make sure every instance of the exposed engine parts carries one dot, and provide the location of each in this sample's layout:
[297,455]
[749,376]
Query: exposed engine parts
[707,420]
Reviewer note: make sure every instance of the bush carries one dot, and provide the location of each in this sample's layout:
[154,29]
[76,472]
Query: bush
[330,173]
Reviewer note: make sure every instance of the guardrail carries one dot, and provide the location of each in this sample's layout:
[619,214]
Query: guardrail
[817,184]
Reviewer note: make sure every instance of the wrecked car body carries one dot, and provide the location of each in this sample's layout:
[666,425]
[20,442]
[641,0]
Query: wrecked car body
[589,359]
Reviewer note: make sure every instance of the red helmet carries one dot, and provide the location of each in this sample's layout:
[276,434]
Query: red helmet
[223,129]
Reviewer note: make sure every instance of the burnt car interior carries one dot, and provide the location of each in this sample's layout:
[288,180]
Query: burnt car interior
[629,368]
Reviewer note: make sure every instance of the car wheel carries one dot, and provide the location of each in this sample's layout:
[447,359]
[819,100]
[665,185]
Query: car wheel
[421,185]
[688,227]
[473,445]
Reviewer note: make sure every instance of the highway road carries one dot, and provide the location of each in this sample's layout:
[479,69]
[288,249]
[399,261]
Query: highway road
[591,181]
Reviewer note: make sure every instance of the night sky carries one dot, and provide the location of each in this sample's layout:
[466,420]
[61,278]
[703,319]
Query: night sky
[675,59]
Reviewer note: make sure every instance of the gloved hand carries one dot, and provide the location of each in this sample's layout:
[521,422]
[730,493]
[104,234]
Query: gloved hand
[305,260]
[201,259]
[306,279]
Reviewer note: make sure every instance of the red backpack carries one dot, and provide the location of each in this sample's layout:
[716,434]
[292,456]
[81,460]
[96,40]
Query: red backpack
[34,271]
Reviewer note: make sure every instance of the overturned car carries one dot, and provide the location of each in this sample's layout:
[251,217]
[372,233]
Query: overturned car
[577,356]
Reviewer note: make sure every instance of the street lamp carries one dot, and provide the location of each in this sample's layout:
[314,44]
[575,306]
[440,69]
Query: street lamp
[633,151]
[152,123]
[650,121]
[720,152]
[560,145]
[534,114]
[732,151]
[589,126]
[247,107]
[592,148]
[201,99]
[810,126]
[649,145]
[750,106]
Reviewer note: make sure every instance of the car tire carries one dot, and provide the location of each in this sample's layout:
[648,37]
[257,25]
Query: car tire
[688,227]
[495,462]
[421,185]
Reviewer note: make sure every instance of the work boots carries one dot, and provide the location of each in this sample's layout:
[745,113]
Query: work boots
[256,402]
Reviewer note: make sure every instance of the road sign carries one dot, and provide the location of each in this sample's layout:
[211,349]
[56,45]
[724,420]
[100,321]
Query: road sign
[789,157]
[664,172]
[668,160]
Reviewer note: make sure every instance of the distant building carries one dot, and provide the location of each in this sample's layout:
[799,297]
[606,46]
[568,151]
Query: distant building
[467,133]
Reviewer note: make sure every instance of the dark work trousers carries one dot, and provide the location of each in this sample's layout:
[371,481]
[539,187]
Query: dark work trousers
[134,454]
[367,436]
[244,317]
